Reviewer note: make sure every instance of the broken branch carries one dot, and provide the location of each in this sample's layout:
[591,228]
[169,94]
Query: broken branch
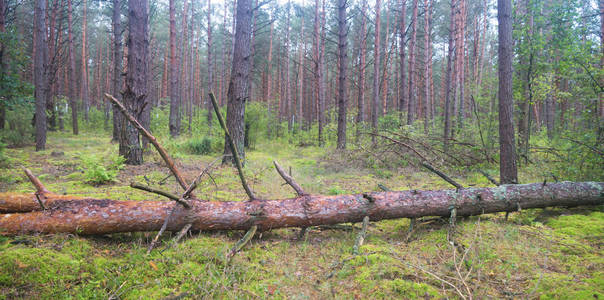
[289,180]
[248,191]
[442,175]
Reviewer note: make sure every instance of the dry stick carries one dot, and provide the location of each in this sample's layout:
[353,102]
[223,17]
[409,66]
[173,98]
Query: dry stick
[160,192]
[289,180]
[35,181]
[239,245]
[178,236]
[361,236]
[161,231]
[248,191]
[195,182]
[491,179]
[442,175]
[152,139]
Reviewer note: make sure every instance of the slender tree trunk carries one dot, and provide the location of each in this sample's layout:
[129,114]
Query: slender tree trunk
[342,79]
[461,50]
[117,65]
[376,69]
[322,82]
[288,106]
[362,66]
[507,146]
[268,73]
[174,90]
[40,73]
[427,62]
[84,76]
[387,69]
[601,103]
[3,62]
[449,77]
[402,104]
[300,97]
[210,65]
[72,75]
[412,107]
[239,82]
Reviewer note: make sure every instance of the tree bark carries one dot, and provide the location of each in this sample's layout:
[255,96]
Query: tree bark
[40,73]
[239,82]
[342,79]
[427,62]
[449,77]
[507,147]
[135,94]
[69,214]
[288,106]
[3,62]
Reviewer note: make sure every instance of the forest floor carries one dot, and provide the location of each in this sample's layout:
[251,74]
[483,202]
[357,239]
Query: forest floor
[538,253]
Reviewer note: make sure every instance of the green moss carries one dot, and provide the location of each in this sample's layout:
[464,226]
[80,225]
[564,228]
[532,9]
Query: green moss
[591,224]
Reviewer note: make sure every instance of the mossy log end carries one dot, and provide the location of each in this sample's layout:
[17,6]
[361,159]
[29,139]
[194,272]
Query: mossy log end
[21,213]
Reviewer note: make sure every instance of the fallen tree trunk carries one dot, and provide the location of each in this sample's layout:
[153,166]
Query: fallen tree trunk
[101,216]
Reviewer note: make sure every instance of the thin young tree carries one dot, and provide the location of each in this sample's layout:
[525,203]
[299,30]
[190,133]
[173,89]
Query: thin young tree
[412,104]
[72,68]
[402,101]
[210,63]
[239,82]
[362,65]
[342,79]
[376,70]
[117,64]
[449,77]
[507,147]
[174,122]
[40,73]
[287,107]
[84,75]
[427,62]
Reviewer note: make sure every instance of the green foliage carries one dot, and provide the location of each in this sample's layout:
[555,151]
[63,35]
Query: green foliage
[19,117]
[199,146]
[98,170]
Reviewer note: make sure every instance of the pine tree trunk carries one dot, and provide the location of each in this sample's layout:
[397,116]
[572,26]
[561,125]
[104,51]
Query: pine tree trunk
[507,147]
[362,66]
[84,76]
[449,77]
[210,65]
[40,73]
[427,62]
[135,93]
[67,214]
[174,122]
[412,107]
[72,75]
[376,69]
[239,82]
[342,79]
[402,105]
[117,66]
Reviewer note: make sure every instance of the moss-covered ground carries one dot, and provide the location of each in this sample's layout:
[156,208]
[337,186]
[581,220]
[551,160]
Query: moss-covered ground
[550,253]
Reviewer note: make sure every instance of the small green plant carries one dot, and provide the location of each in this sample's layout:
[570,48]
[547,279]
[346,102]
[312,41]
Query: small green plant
[97,172]
[198,146]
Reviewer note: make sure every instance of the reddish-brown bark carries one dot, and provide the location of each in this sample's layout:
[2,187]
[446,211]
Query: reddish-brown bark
[100,216]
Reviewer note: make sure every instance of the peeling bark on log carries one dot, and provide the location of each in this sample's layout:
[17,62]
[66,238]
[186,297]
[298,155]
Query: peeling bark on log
[100,216]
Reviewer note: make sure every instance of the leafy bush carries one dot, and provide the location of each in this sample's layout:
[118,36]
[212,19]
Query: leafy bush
[97,171]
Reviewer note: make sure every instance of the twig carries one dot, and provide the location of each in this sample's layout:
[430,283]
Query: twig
[442,175]
[491,179]
[40,201]
[162,152]
[242,242]
[438,278]
[195,182]
[586,145]
[411,229]
[248,191]
[361,236]
[35,181]
[160,192]
[384,188]
[289,180]
[161,231]
[399,143]
[178,236]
